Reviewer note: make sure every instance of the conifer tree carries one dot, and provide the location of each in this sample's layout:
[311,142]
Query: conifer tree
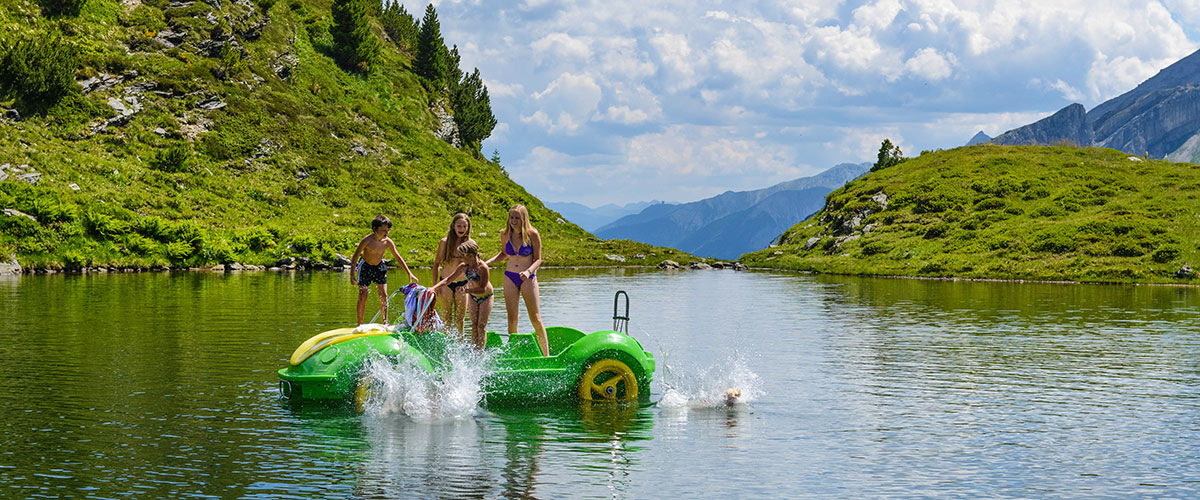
[400,26]
[889,155]
[355,47]
[431,60]
[472,111]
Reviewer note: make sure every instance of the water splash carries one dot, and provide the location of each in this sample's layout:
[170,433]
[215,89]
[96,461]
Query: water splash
[453,391]
[726,383]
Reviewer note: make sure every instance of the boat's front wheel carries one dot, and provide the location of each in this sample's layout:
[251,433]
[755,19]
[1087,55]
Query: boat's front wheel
[608,380]
[363,392]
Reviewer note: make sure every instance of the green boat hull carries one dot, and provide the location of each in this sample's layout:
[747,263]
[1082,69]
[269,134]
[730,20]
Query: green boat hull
[600,365]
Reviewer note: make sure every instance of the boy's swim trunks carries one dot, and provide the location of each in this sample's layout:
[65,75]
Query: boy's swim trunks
[368,274]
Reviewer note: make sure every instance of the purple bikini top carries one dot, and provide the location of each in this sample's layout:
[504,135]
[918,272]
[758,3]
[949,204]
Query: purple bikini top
[525,250]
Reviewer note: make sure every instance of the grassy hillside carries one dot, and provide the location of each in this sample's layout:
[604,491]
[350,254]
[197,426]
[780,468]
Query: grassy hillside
[262,149]
[1022,212]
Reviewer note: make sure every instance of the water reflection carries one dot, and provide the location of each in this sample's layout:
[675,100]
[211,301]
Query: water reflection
[128,385]
[497,453]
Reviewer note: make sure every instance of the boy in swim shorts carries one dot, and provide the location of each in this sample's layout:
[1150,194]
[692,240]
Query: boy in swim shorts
[370,267]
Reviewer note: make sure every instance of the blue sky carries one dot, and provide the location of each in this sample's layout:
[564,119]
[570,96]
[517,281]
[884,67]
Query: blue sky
[614,101]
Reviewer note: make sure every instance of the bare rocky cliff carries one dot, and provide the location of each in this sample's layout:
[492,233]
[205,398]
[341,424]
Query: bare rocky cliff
[1160,118]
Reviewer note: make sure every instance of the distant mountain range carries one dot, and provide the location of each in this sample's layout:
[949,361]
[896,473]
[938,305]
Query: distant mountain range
[732,223]
[1159,118]
[592,219]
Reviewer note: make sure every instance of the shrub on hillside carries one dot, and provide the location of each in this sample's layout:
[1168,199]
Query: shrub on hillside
[1055,243]
[937,202]
[1165,254]
[875,248]
[173,159]
[62,7]
[937,230]
[1127,247]
[990,204]
[256,239]
[102,225]
[38,71]
[1034,189]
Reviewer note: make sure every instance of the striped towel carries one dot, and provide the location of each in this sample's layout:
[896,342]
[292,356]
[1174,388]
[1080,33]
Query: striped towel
[419,310]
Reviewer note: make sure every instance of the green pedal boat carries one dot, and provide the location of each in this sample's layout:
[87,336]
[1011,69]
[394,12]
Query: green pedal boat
[602,365]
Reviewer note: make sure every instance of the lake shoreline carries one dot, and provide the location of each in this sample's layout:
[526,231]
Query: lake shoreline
[982,280]
[693,266]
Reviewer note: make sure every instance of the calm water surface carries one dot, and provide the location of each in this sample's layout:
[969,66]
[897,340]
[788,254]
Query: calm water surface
[164,386]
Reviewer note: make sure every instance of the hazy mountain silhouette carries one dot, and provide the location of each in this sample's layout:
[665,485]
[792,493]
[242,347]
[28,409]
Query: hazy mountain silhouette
[732,223]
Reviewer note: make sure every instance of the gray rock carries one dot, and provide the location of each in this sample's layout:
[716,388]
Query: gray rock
[1185,272]
[882,199]
[170,38]
[212,103]
[738,266]
[99,83]
[12,115]
[668,264]
[10,267]
[699,266]
[286,261]
[342,260]
[32,177]
[284,65]
[617,258]
[812,242]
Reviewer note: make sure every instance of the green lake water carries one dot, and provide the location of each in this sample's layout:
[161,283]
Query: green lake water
[156,385]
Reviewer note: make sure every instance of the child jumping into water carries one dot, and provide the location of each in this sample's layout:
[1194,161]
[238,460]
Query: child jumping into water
[371,268]
[478,289]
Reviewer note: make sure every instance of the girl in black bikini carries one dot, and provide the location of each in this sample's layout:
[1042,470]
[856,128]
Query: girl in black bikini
[445,262]
[523,251]
[480,297]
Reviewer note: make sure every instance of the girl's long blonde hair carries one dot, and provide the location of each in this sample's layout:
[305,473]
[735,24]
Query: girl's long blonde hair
[525,228]
[452,239]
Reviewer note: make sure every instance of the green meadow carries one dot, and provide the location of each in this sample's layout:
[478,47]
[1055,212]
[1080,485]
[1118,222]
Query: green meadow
[261,150]
[1006,212]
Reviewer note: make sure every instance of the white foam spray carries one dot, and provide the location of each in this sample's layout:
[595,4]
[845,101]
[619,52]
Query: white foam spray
[453,392]
[726,383]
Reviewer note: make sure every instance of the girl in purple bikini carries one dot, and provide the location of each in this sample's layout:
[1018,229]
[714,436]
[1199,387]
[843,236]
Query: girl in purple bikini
[523,251]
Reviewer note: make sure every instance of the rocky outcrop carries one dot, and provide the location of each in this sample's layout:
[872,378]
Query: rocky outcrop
[1159,118]
[1156,125]
[10,266]
[447,130]
[1067,125]
[1188,152]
